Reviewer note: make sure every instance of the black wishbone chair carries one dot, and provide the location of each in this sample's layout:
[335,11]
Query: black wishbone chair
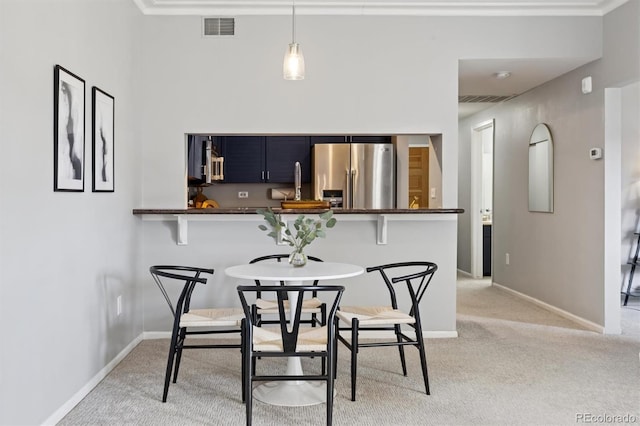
[289,339]
[311,306]
[416,276]
[189,322]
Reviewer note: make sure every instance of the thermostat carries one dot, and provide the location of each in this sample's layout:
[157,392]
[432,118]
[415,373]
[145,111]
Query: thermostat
[595,153]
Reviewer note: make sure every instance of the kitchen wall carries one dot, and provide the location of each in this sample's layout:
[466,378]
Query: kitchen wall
[64,257]
[399,81]
[382,86]
[226,194]
[556,258]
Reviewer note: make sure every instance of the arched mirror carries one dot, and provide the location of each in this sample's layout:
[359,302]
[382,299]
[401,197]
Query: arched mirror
[541,170]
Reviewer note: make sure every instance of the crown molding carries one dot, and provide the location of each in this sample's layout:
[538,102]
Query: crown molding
[381,7]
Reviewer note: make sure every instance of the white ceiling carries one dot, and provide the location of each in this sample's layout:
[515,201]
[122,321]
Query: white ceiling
[476,77]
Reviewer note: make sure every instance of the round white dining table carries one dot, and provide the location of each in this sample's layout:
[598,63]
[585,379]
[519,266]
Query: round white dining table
[293,393]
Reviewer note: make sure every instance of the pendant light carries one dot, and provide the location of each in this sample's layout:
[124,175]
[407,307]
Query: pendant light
[293,66]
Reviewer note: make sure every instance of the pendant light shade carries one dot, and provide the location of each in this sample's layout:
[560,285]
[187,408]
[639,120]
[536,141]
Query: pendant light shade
[293,65]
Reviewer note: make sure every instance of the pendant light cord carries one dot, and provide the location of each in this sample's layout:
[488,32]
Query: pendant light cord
[293,22]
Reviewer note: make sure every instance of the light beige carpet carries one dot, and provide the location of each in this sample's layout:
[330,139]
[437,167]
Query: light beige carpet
[513,364]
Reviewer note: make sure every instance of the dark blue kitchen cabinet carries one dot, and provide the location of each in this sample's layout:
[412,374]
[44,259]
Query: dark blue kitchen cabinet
[282,152]
[266,159]
[369,139]
[243,159]
[350,139]
[328,139]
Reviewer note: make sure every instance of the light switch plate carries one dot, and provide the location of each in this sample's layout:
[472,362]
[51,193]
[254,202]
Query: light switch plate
[586,85]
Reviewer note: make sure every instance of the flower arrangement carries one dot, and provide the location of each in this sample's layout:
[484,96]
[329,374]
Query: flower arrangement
[306,230]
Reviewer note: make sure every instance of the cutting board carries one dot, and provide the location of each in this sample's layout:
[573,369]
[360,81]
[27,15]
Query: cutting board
[305,204]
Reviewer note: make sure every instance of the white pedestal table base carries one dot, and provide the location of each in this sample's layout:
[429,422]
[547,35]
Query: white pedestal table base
[291,393]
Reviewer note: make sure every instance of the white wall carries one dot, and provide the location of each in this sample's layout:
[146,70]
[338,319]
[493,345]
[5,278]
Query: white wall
[399,81]
[630,178]
[64,257]
[557,258]
[227,241]
[402,80]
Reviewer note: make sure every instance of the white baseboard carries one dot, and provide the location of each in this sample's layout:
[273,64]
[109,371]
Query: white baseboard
[151,335]
[84,391]
[568,315]
[465,273]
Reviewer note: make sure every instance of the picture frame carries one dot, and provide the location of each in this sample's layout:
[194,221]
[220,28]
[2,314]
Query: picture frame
[68,130]
[102,117]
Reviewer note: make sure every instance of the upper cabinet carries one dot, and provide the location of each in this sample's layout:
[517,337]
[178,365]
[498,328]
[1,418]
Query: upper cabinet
[281,155]
[328,139]
[244,159]
[256,159]
[369,139]
[350,139]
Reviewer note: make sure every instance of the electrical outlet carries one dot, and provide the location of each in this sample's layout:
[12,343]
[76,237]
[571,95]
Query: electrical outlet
[119,305]
[506,258]
[433,193]
[243,194]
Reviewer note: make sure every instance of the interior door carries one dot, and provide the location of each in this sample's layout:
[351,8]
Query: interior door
[481,213]
[418,177]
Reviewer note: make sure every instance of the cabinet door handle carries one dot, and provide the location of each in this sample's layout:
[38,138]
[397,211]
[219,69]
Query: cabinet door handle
[267,174]
[262,175]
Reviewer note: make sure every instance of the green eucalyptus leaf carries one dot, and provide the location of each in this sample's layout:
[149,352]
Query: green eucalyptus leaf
[326,215]
[306,229]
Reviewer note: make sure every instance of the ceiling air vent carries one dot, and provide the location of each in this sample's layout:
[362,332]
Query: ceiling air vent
[212,27]
[484,98]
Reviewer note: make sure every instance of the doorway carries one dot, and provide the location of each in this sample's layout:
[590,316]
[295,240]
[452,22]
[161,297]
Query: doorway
[418,177]
[482,141]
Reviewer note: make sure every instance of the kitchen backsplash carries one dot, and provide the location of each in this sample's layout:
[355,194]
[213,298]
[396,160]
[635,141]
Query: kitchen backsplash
[258,194]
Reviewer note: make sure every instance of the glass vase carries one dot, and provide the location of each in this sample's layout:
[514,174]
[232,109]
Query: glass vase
[298,258]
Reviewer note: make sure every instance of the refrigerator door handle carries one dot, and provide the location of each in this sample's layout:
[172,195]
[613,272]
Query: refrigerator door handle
[347,199]
[352,186]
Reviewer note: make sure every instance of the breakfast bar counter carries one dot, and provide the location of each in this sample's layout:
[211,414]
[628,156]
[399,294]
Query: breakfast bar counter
[222,237]
[381,216]
[251,210]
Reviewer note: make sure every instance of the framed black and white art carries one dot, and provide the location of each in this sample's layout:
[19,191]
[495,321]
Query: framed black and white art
[103,138]
[68,131]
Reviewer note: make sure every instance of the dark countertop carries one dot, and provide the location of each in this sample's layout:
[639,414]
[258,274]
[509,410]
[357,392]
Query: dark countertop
[252,210]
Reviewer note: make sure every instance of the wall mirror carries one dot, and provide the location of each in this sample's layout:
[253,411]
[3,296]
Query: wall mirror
[541,170]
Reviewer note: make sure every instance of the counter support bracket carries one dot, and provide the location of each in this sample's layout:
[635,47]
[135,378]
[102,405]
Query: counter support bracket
[183,230]
[382,229]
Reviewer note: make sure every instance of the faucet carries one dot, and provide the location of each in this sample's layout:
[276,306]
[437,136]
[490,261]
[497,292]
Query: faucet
[298,177]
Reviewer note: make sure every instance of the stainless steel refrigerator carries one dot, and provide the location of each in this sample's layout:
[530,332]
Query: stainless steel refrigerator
[355,176]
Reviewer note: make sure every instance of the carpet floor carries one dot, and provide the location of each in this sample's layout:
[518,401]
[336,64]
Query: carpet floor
[513,363]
